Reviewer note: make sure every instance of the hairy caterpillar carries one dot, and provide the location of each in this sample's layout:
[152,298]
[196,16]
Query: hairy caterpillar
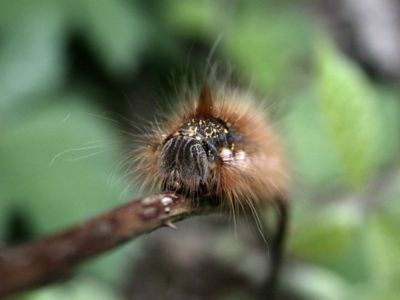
[217,142]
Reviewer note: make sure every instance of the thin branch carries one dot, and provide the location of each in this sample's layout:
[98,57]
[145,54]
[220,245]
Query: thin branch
[278,245]
[45,260]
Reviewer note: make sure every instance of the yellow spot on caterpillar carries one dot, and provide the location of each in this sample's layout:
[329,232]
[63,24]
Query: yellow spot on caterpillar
[226,154]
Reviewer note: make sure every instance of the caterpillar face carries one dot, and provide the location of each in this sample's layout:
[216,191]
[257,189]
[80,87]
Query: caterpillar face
[191,155]
[219,144]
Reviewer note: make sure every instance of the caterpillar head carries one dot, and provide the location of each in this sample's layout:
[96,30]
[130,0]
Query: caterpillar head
[219,144]
[191,156]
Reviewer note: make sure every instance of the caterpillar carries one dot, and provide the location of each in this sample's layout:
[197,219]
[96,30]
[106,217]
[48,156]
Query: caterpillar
[217,141]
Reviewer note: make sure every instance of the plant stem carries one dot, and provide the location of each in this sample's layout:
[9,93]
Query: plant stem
[45,260]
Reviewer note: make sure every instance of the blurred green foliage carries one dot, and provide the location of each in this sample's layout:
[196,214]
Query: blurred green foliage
[59,155]
[348,111]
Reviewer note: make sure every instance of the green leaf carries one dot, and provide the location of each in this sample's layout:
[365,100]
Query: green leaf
[198,18]
[382,247]
[383,244]
[57,165]
[315,283]
[31,56]
[389,111]
[313,162]
[78,289]
[346,101]
[117,31]
[330,235]
[269,44]
[266,41]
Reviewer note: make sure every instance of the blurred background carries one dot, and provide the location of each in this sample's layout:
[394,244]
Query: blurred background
[74,74]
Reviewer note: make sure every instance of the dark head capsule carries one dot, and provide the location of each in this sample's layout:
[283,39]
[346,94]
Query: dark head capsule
[189,156]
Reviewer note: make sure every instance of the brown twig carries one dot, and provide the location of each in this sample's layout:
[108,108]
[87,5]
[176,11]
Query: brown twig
[38,262]
[277,250]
